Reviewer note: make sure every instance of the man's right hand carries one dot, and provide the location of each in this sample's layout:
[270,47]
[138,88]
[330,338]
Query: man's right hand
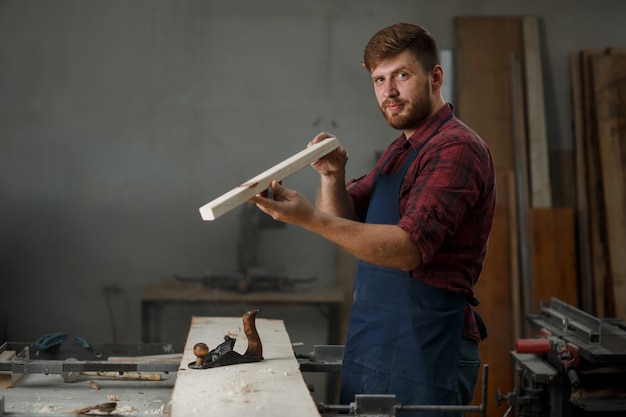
[332,163]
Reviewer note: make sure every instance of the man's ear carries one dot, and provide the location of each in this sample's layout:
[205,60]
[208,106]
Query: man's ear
[437,76]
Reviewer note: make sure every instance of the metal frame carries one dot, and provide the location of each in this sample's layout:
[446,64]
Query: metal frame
[68,357]
[328,358]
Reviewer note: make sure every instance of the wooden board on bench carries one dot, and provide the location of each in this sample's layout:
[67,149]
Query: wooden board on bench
[267,388]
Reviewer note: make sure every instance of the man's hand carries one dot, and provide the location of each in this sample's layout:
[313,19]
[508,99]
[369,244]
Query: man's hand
[334,162]
[285,205]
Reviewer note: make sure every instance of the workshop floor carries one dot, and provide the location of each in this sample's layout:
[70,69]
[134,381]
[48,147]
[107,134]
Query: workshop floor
[49,394]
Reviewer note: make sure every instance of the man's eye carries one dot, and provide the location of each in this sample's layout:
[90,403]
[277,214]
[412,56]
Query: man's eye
[401,75]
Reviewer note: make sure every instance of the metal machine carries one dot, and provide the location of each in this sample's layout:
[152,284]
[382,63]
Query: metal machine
[328,358]
[69,360]
[576,366]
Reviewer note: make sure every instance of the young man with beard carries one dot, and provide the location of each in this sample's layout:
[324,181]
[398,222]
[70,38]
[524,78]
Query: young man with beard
[419,225]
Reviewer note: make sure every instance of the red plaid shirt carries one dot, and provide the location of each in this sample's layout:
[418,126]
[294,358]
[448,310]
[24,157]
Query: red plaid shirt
[447,203]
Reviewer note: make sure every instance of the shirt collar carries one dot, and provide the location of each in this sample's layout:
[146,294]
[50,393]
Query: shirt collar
[426,130]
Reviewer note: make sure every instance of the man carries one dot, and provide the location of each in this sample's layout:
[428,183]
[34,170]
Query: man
[419,225]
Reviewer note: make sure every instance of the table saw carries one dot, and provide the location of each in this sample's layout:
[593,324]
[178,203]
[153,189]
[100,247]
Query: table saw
[574,367]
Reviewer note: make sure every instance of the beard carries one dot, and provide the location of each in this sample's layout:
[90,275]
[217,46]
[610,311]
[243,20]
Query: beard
[414,112]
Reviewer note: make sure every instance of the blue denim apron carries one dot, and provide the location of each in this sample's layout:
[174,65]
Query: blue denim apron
[404,335]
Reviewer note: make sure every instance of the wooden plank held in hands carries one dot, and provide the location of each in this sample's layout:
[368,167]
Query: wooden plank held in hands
[261,182]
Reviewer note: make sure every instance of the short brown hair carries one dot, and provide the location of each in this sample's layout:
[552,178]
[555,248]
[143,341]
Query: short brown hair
[397,38]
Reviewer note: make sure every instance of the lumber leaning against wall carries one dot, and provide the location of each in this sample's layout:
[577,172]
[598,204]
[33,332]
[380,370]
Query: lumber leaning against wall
[486,47]
[598,91]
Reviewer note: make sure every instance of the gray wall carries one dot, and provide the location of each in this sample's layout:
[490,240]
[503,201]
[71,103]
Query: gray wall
[118,119]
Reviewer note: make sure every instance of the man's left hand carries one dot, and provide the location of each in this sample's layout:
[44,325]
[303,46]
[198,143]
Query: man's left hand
[285,205]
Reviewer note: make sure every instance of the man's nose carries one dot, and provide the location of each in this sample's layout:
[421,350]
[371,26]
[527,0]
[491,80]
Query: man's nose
[390,90]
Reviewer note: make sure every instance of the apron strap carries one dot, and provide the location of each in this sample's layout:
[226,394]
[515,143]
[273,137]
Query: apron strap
[480,323]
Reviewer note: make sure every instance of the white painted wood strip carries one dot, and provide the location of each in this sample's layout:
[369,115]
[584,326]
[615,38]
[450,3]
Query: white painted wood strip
[261,182]
[271,387]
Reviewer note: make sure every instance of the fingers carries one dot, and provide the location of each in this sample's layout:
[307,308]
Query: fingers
[342,153]
[277,192]
[271,205]
[285,205]
[320,137]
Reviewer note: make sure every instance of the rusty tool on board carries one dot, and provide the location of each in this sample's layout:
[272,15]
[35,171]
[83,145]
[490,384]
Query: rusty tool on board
[224,353]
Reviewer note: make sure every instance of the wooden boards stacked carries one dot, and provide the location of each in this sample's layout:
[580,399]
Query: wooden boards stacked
[599,107]
[500,95]
[271,387]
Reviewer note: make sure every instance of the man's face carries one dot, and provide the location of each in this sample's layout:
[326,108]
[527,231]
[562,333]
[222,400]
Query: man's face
[403,92]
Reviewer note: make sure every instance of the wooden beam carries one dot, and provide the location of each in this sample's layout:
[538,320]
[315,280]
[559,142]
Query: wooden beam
[483,49]
[271,387]
[541,190]
[554,255]
[523,222]
[609,92]
[516,295]
[261,182]
[583,249]
[484,46]
[8,379]
[603,298]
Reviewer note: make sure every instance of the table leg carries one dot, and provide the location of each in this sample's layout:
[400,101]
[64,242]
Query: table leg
[150,322]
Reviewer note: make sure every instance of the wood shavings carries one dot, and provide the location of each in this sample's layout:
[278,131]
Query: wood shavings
[244,388]
[126,409]
[113,397]
[48,409]
[160,410]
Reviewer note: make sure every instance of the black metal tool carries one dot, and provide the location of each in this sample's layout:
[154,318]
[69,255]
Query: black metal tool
[224,354]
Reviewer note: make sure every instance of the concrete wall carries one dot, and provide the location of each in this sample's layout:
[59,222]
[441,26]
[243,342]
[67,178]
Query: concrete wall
[118,119]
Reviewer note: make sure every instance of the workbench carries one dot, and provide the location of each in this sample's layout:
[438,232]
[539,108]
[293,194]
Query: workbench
[171,292]
[265,387]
